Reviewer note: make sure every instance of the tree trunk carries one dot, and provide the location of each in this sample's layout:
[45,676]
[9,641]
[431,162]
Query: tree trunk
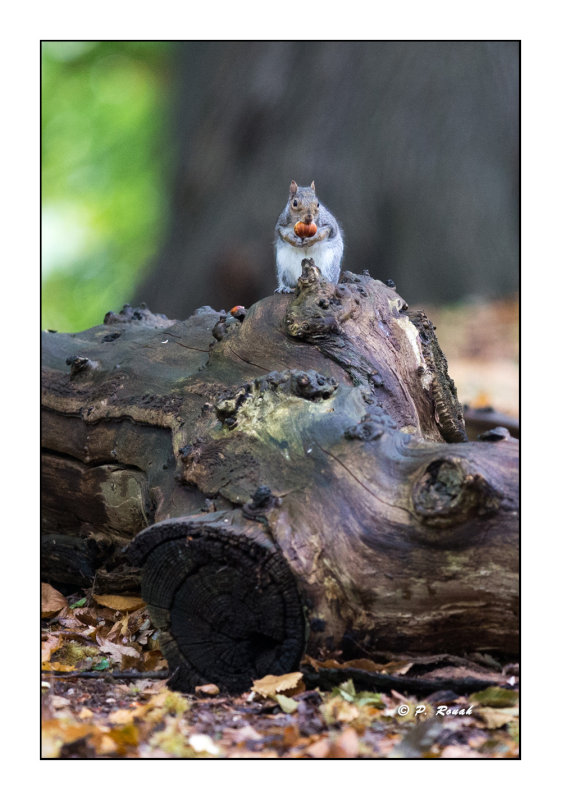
[294,477]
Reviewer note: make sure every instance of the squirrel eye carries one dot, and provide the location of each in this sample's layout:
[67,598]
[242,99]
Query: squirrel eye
[295,203]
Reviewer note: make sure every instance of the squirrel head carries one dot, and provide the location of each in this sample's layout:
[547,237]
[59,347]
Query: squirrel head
[303,203]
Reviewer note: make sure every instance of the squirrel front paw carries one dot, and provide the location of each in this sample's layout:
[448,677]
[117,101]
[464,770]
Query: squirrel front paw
[323,233]
[284,290]
[294,240]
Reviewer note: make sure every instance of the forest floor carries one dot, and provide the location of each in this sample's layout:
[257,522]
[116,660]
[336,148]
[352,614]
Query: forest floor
[87,640]
[89,713]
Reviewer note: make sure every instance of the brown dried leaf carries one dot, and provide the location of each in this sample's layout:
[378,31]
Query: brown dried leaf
[271,685]
[336,709]
[148,688]
[346,745]
[119,602]
[86,616]
[103,744]
[208,688]
[119,629]
[132,662]
[50,645]
[119,651]
[245,734]
[319,749]
[56,666]
[56,732]
[68,620]
[125,737]
[52,602]
[400,667]
[122,716]
[497,717]
[290,735]
[154,660]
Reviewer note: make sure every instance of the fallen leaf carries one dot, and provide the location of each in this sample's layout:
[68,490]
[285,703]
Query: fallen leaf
[125,737]
[271,685]
[459,751]
[244,734]
[346,745]
[495,697]
[56,732]
[497,717]
[160,699]
[319,749]
[119,602]
[201,743]
[391,667]
[149,687]
[154,660]
[337,709]
[50,645]
[56,666]
[208,688]
[59,702]
[118,651]
[346,690]
[104,744]
[122,716]
[287,704]
[52,601]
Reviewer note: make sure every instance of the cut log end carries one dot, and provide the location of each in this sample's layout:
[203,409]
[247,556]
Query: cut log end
[226,603]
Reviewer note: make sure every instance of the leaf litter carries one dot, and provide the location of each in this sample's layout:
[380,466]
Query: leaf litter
[282,716]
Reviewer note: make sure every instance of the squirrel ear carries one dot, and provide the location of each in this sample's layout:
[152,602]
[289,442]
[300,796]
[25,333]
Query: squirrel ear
[313,186]
[293,187]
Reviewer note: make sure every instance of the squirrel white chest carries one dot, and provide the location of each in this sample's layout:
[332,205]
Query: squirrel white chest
[289,260]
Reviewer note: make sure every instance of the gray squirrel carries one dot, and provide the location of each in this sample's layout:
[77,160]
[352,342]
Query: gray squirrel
[306,229]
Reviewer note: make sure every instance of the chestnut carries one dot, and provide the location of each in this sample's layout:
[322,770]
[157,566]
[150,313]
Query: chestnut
[303,230]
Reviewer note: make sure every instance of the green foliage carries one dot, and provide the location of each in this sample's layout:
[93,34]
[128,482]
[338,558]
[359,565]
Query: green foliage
[348,692]
[287,704]
[104,166]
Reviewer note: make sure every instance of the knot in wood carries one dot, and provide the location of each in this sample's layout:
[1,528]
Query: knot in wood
[372,426]
[227,405]
[310,274]
[262,501]
[447,494]
[311,385]
[80,364]
[319,308]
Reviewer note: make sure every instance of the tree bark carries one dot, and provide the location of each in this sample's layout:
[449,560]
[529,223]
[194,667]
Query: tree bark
[294,477]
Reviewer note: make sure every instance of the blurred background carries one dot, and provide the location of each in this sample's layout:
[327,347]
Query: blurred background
[166,164]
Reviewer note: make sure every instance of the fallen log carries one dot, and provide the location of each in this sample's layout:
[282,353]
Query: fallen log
[294,477]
